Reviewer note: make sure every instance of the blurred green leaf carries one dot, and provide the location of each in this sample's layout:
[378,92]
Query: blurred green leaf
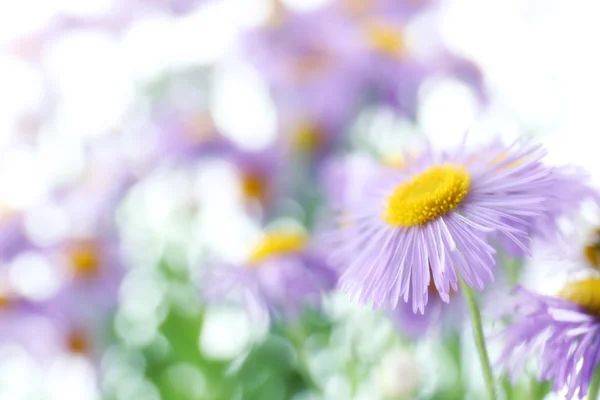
[182,331]
[273,388]
[274,355]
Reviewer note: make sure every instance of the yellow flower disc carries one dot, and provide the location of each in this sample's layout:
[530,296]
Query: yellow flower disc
[591,251]
[278,243]
[427,196]
[385,38]
[585,293]
[253,186]
[85,259]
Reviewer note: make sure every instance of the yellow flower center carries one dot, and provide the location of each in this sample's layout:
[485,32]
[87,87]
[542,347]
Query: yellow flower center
[427,196]
[307,138]
[592,251]
[277,243]
[253,186]
[385,38]
[585,293]
[85,259]
[5,301]
[77,342]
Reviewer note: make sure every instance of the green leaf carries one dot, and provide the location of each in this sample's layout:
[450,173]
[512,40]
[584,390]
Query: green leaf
[273,356]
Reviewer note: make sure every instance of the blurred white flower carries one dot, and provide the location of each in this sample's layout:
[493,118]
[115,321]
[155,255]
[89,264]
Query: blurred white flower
[399,374]
[575,256]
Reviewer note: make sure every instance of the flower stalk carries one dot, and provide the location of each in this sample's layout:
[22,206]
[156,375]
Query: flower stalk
[479,339]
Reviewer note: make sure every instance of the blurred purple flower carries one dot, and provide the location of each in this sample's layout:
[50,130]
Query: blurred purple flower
[562,333]
[85,259]
[281,277]
[395,65]
[183,136]
[343,179]
[13,238]
[310,67]
[323,65]
[24,324]
[260,174]
[571,188]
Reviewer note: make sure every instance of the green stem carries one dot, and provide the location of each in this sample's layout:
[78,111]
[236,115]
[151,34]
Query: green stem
[512,269]
[297,338]
[479,339]
[594,385]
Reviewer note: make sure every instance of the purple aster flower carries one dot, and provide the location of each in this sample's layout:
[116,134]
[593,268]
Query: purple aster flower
[436,214]
[281,276]
[562,332]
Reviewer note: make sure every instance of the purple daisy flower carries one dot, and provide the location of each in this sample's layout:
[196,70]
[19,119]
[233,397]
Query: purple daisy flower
[282,275]
[436,214]
[562,333]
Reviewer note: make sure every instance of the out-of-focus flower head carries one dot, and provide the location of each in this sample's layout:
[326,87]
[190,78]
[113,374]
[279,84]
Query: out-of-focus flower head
[23,323]
[281,276]
[399,374]
[259,174]
[184,135]
[432,220]
[324,64]
[82,257]
[571,191]
[560,328]
[308,63]
[342,179]
[92,270]
[396,59]
[562,332]
[13,237]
